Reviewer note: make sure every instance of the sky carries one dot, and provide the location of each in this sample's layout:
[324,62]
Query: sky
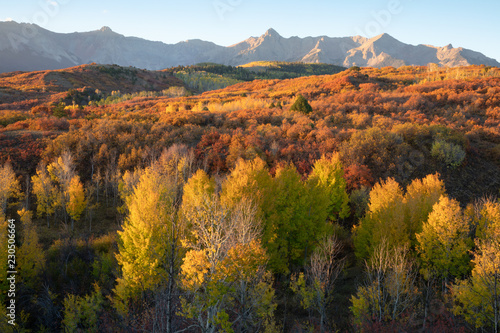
[469,24]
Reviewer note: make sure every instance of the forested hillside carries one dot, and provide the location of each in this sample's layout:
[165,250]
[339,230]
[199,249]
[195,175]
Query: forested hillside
[209,76]
[364,200]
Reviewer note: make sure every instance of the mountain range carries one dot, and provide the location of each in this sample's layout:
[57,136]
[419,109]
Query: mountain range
[28,47]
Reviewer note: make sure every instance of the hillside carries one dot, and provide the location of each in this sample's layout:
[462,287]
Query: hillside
[252,186]
[41,49]
[345,103]
[22,89]
[210,76]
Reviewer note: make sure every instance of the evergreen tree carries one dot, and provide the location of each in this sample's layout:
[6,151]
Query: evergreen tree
[301,105]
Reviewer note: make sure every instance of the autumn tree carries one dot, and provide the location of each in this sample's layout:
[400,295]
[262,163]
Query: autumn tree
[3,258]
[81,313]
[488,221]
[248,181]
[145,243]
[384,220]
[316,287]
[76,202]
[223,272]
[329,174]
[195,193]
[478,298]
[443,244]
[126,187]
[69,190]
[294,212]
[296,220]
[45,192]
[9,186]
[421,196]
[395,216]
[30,256]
[389,290]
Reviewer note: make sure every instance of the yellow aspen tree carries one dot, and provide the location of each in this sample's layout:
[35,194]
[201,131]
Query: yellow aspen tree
[488,226]
[389,290]
[62,171]
[329,173]
[223,273]
[316,287]
[81,313]
[30,256]
[444,243]
[197,189]
[421,195]
[295,222]
[144,241]
[211,229]
[383,221]
[478,299]
[9,186]
[76,202]
[126,187]
[45,193]
[294,213]
[249,180]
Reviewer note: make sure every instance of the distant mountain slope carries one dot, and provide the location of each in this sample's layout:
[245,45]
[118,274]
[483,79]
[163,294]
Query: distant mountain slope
[41,86]
[27,47]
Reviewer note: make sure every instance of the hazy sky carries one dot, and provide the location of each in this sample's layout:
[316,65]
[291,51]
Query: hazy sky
[469,24]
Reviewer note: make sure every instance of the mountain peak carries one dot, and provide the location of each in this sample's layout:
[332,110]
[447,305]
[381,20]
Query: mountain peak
[106,29]
[271,33]
[385,37]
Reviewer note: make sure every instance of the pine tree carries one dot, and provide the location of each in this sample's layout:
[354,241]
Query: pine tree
[301,105]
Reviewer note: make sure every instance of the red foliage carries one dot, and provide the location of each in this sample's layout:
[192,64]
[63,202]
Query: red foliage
[23,151]
[357,176]
[213,150]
